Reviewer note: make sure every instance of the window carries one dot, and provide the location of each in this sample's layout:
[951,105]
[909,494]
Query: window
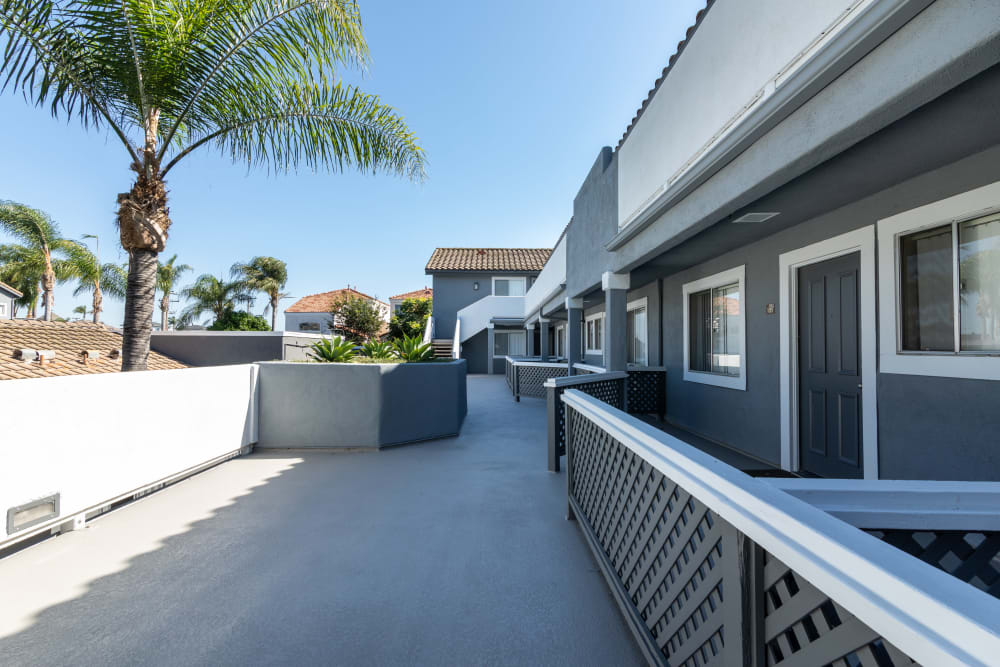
[594,334]
[637,332]
[509,286]
[715,330]
[509,343]
[3,310]
[309,326]
[561,341]
[939,295]
[949,288]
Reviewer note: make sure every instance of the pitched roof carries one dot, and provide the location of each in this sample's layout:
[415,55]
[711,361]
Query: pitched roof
[68,340]
[488,259]
[666,70]
[322,302]
[425,293]
[10,289]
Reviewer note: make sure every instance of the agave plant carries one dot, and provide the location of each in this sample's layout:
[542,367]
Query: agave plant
[413,348]
[332,350]
[377,350]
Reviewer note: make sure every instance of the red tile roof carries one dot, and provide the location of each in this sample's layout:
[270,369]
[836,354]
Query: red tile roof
[666,70]
[322,302]
[68,340]
[425,293]
[488,259]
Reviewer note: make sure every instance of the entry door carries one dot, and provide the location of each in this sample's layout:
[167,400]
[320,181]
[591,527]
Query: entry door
[830,368]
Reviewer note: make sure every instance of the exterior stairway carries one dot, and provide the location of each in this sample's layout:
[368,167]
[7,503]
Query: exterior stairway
[442,348]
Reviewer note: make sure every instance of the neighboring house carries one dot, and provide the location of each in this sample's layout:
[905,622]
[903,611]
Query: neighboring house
[35,348]
[311,314]
[814,256]
[7,297]
[484,288]
[396,301]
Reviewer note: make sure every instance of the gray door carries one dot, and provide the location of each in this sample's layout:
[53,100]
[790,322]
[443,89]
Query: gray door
[830,368]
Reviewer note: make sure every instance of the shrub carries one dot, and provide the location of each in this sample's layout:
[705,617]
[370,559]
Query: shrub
[411,318]
[357,318]
[412,348]
[377,350]
[331,350]
[239,320]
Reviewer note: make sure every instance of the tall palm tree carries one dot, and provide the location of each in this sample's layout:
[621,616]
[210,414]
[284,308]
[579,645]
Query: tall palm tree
[95,278]
[81,311]
[211,295]
[42,244]
[19,269]
[167,274]
[264,274]
[254,79]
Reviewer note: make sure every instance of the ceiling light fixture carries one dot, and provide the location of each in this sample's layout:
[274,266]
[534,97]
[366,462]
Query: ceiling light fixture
[754,217]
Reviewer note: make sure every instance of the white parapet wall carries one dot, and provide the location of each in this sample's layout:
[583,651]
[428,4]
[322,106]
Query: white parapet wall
[92,440]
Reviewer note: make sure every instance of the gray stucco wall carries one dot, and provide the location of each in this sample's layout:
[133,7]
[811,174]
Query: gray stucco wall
[359,405]
[454,291]
[595,221]
[222,348]
[651,292]
[752,417]
[475,351]
[6,306]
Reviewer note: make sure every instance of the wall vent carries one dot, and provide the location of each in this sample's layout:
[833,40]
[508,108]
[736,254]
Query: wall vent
[33,513]
[754,217]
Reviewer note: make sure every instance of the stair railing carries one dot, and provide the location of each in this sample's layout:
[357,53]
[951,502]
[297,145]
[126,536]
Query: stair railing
[429,330]
[456,343]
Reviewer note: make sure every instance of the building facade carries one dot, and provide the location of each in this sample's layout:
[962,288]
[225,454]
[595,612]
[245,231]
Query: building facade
[7,297]
[311,314]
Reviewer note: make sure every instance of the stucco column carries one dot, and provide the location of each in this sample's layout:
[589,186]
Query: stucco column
[574,333]
[543,342]
[489,348]
[615,286]
[530,343]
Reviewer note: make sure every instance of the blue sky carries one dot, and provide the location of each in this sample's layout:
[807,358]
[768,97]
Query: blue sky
[511,101]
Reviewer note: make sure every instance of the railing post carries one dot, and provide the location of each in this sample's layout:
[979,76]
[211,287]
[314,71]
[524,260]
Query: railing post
[552,410]
[567,434]
[517,383]
[742,589]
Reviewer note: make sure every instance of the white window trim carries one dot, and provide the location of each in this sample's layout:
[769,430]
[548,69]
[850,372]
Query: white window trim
[636,305]
[969,365]
[586,321]
[560,330]
[738,275]
[493,284]
[862,240]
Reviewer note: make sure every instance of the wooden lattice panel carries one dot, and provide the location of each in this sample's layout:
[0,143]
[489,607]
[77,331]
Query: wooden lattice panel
[647,391]
[973,557]
[611,392]
[531,379]
[803,627]
[665,546]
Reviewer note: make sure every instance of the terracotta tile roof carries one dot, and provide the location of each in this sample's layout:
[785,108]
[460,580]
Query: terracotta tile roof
[425,293]
[10,289]
[488,259]
[322,302]
[68,340]
[666,70]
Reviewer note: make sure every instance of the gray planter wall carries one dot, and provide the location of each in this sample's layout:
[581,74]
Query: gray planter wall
[359,405]
[223,348]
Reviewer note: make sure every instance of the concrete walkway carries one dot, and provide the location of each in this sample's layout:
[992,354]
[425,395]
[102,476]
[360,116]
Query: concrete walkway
[451,552]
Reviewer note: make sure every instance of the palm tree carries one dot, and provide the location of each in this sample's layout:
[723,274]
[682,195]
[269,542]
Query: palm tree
[166,275]
[81,311]
[264,274]
[211,295]
[253,79]
[41,239]
[95,278]
[19,269]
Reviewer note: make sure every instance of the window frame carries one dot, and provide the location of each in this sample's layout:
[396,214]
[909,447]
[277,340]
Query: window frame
[721,279]
[493,285]
[969,364]
[637,304]
[598,330]
[507,334]
[560,341]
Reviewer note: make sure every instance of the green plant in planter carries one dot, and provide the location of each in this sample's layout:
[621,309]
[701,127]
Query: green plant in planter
[377,350]
[412,348]
[331,350]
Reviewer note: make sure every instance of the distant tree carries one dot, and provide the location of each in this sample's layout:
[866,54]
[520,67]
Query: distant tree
[356,318]
[42,244]
[210,295]
[267,275]
[81,311]
[20,269]
[239,320]
[94,278]
[167,274]
[411,318]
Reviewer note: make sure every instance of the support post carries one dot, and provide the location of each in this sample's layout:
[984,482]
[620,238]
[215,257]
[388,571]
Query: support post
[490,339]
[615,320]
[552,400]
[544,339]
[574,333]
[530,335]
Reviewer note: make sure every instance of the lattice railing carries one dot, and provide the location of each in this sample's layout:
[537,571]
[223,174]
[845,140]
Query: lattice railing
[529,377]
[707,564]
[606,387]
[647,391]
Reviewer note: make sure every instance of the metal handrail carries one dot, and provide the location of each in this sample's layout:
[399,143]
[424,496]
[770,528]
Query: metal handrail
[429,330]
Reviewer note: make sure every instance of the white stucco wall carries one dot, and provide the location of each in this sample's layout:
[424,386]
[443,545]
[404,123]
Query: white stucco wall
[738,49]
[548,281]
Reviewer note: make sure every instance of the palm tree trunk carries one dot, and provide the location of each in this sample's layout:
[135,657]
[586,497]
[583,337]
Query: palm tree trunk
[98,302]
[139,298]
[165,310]
[274,312]
[48,290]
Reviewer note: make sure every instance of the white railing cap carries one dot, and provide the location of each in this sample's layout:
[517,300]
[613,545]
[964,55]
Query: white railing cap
[588,367]
[572,380]
[933,617]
